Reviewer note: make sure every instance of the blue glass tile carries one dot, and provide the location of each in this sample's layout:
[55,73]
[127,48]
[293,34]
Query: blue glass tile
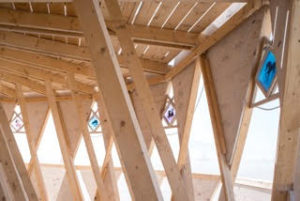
[267,72]
[94,123]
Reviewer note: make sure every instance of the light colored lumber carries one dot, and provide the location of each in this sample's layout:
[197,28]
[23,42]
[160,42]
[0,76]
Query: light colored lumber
[290,113]
[31,143]
[67,26]
[87,138]
[107,170]
[68,160]
[238,54]
[159,93]
[38,114]
[30,71]
[72,132]
[153,116]
[59,49]
[127,134]
[11,174]
[63,1]
[217,128]
[205,42]
[17,158]
[185,87]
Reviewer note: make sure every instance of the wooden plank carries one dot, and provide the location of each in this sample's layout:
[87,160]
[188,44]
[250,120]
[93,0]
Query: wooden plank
[17,158]
[31,144]
[185,86]
[30,71]
[38,114]
[153,116]
[66,26]
[232,80]
[87,138]
[127,134]
[107,170]
[289,116]
[217,128]
[58,49]
[65,150]
[248,108]
[205,42]
[72,134]
[296,187]
[159,94]
[63,1]
[12,177]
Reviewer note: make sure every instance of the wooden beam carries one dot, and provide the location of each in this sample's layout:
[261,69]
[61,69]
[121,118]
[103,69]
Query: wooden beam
[51,24]
[7,91]
[290,114]
[217,129]
[16,156]
[164,149]
[36,86]
[30,71]
[64,1]
[205,42]
[68,160]
[31,144]
[87,138]
[185,87]
[107,170]
[127,134]
[11,174]
[59,49]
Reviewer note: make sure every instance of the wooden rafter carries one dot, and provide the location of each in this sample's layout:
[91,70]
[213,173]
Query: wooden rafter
[217,128]
[153,116]
[59,25]
[127,134]
[68,159]
[31,143]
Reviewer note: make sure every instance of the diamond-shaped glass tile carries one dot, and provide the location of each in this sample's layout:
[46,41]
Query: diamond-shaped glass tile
[267,72]
[170,114]
[94,123]
[17,123]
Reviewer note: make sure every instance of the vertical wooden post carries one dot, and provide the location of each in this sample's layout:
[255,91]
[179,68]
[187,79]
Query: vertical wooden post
[127,133]
[68,160]
[31,144]
[290,113]
[217,128]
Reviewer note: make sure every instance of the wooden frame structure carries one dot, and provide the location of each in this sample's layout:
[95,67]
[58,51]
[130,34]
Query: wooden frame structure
[59,56]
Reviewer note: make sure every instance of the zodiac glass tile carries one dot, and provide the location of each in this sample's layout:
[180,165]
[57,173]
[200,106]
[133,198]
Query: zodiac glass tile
[267,72]
[170,114]
[94,123]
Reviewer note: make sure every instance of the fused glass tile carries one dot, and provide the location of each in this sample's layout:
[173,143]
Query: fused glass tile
[17,124]
[267,72]
[170,114]
[94,123]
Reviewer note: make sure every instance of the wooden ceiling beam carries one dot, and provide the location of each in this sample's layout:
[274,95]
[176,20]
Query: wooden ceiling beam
[27,70]
[57,25]
[36,86]
[59,49]
[66,1]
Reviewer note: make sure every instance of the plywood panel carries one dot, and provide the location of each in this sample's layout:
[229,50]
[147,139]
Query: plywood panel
[232,61]
[37,113]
